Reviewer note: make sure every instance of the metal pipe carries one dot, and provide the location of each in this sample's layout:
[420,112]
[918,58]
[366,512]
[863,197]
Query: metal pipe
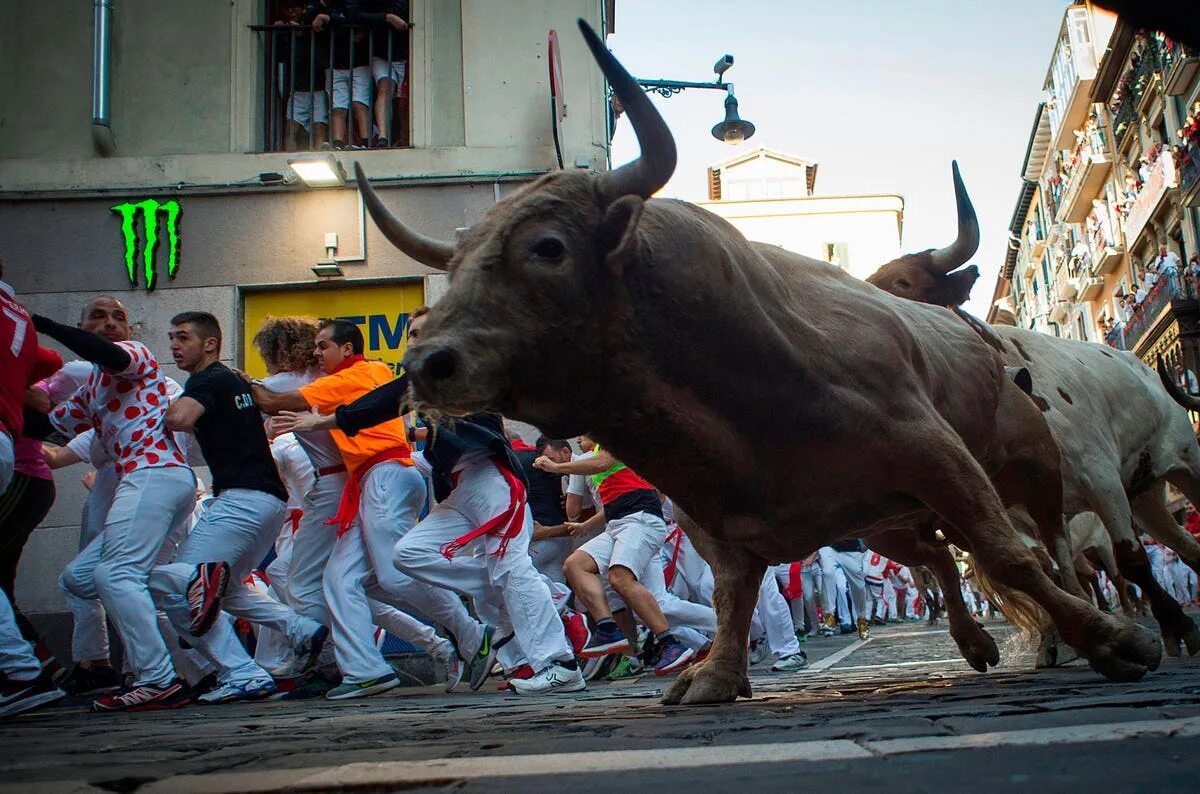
[102,133]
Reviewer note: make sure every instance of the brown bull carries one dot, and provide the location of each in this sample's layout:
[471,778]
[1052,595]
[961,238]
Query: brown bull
[782,403]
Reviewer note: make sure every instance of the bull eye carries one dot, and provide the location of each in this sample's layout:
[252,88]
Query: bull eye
[903,283]
[550,248]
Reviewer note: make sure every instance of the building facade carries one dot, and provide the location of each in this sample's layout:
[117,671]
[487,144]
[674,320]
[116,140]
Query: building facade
[769,197]
[1107,219]
[144,157]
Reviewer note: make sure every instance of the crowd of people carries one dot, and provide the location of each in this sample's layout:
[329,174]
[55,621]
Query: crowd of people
[333,514]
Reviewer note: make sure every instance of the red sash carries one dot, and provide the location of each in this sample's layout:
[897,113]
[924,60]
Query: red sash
[348,508]
[674,536]
[795,585]
[508,524]
[294,519]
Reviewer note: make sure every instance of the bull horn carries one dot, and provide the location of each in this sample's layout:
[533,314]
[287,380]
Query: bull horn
[1178,395]
[656,163]
[426,250]
[963,248]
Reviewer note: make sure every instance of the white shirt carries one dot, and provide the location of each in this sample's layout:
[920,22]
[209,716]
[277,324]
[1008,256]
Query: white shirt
[581,484]
[295,468]
[319,445]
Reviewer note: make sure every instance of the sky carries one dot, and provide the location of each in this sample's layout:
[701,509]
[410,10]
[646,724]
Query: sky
[883,94]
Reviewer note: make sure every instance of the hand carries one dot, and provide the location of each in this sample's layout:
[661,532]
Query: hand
[576,529]
[396,22]
[545,464]
[89,479]
[305,422]
[319,22]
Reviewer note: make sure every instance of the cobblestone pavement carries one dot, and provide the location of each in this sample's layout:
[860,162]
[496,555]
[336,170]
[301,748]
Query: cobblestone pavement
[902,703]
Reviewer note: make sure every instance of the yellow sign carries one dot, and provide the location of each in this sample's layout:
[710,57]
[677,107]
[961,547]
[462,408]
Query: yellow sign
[381,311]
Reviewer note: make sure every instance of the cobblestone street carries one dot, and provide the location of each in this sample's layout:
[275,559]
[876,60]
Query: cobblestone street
[902,703]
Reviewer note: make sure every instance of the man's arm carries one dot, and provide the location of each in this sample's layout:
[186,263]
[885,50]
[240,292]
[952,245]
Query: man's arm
[381,404]
[37,400]
[182,414]
[578,530]
[272,402]
[84,344]
[600,462]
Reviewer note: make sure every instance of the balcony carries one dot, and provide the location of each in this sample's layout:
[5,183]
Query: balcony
[1189,175]
[1065,286]
[1167,294]
[1060,311]
[1162,178]
[1125,118]
[1088,287]
[1072,69]
[1179,67]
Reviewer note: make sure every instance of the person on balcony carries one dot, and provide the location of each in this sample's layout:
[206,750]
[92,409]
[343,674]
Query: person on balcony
[1186,379]
[349,78]
[1167,264]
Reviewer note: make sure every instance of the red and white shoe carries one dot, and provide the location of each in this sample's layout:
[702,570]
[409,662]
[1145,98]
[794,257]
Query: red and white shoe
[522,673]
[204,594]
[578,633]
[174,695]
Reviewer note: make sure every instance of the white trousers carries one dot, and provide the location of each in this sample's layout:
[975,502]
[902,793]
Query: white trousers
[477,571]
[89,633]
[776,617]
[549,556]
[17,660]
[238,526]
[312,544]
[691,623]
[851,565]
[360,570]
[693,578]
[148,513]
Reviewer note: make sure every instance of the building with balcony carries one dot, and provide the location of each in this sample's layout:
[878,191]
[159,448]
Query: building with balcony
[172,173]
[769,196]
[1110,177]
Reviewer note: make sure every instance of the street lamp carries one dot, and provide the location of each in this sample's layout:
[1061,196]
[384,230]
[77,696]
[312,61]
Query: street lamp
[734,129]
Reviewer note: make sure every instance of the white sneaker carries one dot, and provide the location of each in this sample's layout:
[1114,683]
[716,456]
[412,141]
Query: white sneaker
[787,664]
[758,652]
[454,670]
[554,678]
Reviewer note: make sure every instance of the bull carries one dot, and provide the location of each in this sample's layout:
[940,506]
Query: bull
[780,402]
[1122,439]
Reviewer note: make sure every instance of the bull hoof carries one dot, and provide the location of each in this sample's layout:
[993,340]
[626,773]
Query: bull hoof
[1119,650]
[976,645]
[706,683]
[1182,634]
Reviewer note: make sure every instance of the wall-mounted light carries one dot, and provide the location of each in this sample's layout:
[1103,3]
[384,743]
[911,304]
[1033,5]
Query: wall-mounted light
[326,269]
[318,170]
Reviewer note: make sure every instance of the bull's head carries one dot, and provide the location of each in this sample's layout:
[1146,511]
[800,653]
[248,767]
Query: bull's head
[931,276]
[533,286]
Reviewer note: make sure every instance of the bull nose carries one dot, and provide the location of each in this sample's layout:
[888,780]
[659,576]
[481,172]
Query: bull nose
[440,364]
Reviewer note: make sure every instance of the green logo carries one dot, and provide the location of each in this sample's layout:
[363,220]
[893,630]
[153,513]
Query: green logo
[149,211]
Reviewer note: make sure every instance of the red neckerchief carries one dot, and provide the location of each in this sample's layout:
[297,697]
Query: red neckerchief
[519,445]
[348,362]
[507,525]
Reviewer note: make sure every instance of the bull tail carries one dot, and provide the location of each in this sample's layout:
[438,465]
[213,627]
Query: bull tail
[1019,609]
[1178,395]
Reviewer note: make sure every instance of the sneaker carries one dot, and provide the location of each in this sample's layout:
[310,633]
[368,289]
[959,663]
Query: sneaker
[826,631]
[673,657]
[479,665]
[521,673]
[20,696]
[204,595]
[864,629]
[846,628]
[310,650]
[605,640]
[600,666]
[255,689]
[577,630]
[90,680]
[829,620]
[628,667]
[878,621]
[554,678]
[206,684]
[454,670]
[147,697]
[790,663]
[759,652]
[312,686]
[348,691]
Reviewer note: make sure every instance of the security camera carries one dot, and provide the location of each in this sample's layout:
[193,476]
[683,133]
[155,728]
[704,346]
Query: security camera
[722,65]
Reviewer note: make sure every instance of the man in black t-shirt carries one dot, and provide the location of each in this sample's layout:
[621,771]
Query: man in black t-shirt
[552,542]
[241,523]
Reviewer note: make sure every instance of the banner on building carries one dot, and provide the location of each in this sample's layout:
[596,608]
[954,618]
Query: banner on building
[381,311]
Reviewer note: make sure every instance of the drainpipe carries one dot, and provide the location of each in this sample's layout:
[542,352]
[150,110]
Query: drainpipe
[102,134]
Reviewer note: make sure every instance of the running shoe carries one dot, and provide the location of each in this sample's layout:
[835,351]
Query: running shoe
[479,665]
[606,639]
[864,629]
[91,680]
[577,630]
[348,691]
[556,677]
[846,628]
[255,689]
[628,667]
[204,594]
[455,668]
[314,685]
[600,666]
[829,620]
[310,650]
[673,657]
[826,631]
[21,696]
[147,697]
[790,663]
[521,673]
[758,652]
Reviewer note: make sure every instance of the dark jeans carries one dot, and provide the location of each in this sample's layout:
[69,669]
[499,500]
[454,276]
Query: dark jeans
[22,508]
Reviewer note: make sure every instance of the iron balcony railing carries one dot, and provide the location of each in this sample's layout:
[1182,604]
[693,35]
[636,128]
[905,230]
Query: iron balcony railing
[1168,288]
[309,74]
[1189,174]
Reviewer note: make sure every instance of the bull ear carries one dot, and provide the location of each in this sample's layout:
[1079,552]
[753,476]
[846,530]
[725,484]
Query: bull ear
[617,235]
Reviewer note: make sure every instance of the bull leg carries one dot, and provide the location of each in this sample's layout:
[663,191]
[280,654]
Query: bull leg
[722,677]
[976,645]
[955,487]
[1152,515]
[1109,502]
[1105,552]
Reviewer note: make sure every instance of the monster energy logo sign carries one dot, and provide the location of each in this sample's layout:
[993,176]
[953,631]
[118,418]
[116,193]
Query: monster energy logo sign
[149,210]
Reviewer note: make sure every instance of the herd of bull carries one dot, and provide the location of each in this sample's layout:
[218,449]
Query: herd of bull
[784,404]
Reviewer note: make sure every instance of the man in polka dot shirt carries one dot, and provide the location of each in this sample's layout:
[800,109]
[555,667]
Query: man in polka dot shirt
[125,401]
